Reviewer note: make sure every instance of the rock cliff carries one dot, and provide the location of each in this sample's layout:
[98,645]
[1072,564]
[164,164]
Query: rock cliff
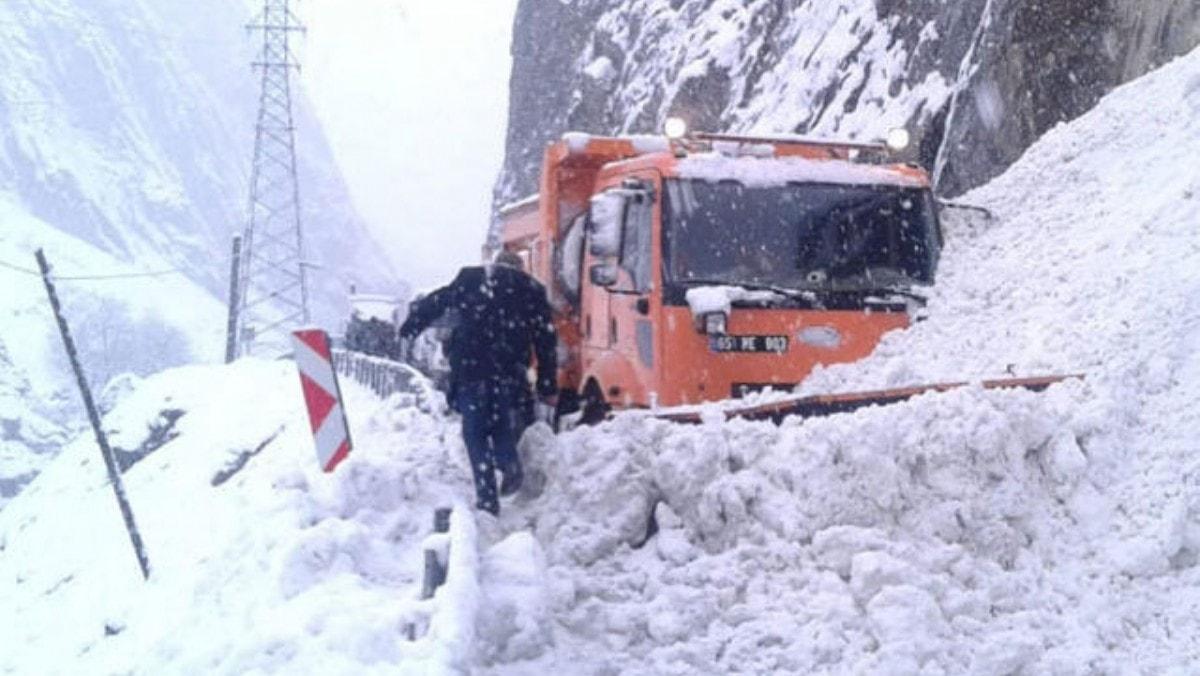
[976,80]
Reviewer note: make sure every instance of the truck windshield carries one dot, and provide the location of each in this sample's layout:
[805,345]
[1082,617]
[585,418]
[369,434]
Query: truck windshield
[800,236]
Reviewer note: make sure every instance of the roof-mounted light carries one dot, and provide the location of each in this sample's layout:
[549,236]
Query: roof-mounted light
[898,139]
[675,128]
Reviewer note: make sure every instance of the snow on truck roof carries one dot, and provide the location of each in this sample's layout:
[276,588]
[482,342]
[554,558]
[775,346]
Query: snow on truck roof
[753,160]
[768,172]
[517,205]
[577,142]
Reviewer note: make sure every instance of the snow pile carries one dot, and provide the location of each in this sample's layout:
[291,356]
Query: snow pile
[967,532]
[885,541]
[261,563]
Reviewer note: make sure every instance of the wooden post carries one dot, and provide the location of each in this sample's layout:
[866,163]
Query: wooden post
[114,475]
[234,281]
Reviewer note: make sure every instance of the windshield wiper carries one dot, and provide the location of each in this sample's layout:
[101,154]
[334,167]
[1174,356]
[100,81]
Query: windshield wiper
[893,291]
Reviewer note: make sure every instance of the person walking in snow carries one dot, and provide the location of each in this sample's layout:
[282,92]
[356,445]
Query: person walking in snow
[503,317]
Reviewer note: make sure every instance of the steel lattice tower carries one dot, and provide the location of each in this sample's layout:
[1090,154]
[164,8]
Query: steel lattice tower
[274,291]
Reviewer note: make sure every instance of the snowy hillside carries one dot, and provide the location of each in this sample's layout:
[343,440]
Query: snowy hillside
[127,137]
[129,124]
[974,532]
[125,325]
[260,561]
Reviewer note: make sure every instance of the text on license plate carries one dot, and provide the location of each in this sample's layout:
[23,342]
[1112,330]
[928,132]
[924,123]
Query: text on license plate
[778,344]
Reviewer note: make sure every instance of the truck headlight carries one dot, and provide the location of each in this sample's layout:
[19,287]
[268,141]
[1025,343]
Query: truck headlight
[675,128]
[716,323]
[898,140]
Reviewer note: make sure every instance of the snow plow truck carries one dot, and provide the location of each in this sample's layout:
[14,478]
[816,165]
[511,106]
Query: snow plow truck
[701,267]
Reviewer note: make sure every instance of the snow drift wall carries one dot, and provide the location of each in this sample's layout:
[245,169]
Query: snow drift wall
[995,73]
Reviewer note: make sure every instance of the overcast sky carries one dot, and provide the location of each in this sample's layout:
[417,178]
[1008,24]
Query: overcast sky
[413,95]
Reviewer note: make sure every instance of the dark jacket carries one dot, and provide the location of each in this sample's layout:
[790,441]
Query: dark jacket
[503,313]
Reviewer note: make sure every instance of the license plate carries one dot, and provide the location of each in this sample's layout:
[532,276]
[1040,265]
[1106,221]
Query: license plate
[775,344]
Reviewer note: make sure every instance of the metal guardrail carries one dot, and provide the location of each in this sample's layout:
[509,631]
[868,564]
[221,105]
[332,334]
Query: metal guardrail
[382,376]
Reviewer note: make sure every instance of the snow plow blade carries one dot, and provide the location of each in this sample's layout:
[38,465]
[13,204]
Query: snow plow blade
[815,406]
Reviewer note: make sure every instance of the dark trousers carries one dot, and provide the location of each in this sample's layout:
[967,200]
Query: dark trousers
[492,423]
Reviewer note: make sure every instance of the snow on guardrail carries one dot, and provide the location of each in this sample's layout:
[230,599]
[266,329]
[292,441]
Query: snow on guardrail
[382,376]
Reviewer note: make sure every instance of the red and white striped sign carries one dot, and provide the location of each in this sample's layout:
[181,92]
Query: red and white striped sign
[322,396]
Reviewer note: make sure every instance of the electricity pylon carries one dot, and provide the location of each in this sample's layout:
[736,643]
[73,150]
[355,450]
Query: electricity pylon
[274,291]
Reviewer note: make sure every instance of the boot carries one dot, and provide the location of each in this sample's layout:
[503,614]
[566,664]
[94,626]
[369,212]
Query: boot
[511,483]
[489,506]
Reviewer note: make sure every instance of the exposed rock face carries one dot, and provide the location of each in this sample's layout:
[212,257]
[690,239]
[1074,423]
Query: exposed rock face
[977,80]
[30,434]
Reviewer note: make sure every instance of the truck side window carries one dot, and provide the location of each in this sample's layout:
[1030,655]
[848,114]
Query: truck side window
[569,266]
[636,241]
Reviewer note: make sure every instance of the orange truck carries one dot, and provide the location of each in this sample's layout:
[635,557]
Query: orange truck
[705,267]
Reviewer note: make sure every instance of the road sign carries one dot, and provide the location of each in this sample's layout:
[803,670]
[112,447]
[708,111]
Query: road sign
[322,396]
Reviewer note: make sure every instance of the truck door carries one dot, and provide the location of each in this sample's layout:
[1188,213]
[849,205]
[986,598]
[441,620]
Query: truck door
[620,305]
[594,307]
[631,306]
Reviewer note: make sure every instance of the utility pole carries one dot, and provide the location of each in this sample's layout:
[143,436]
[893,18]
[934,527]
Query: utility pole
[231,329]
[89,404]
[274,292]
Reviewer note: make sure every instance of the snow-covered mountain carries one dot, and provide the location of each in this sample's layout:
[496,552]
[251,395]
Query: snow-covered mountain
[129,124]
[982,532]
[126,131]
[978,79]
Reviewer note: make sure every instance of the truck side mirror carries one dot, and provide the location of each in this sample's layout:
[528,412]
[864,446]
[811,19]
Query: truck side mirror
[606,222]
[603,274]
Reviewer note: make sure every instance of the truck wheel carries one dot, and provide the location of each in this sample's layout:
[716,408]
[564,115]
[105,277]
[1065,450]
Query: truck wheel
[595,408]
[568,402]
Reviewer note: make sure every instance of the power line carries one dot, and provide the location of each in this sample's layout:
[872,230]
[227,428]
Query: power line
[18,268]
[345,275]
[73,278]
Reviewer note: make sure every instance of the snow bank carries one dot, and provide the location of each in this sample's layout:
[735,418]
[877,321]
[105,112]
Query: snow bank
[966,532]
[888,540]
[260,562]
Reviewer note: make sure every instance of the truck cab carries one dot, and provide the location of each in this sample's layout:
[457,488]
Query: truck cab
[699,269]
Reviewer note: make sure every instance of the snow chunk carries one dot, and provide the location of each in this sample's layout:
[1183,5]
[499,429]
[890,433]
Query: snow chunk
[577,141]
[708,299]
[602,70]
[514,621]
[648,143]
